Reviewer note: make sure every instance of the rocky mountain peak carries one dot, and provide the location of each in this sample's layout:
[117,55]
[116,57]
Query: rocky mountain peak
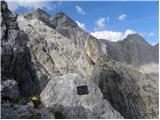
[41,15]
[64,19]
[61,14]
[39,10]
[133,50]
[135,40]
[134,37]
[37,14]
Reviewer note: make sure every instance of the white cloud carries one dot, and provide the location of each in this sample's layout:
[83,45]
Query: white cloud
[29,4]
[127,32]
[82,25]
[153,43]
[122,17]
[112,35]
[100,23]
[80,10]
[108,35]
[151,34]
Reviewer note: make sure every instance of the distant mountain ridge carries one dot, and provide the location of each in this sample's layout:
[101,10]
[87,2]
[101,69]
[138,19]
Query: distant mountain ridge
[133,50]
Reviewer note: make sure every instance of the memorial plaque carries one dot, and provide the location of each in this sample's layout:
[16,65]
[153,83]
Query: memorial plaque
[82,90]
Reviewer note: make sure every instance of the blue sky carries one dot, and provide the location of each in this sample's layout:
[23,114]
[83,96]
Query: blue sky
[106,19]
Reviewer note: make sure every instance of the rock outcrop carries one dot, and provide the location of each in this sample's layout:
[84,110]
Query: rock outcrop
[133,94]
[15,62]
[61,95]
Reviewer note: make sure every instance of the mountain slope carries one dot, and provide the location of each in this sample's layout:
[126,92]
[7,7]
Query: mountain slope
[68,28]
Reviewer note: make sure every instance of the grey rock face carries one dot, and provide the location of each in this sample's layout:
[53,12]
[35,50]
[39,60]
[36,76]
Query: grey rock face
[61,95]
[133,50]
[17,111]
[157,46]
[68,28]
[41,15]
[10,88]
[15,62]
[66,55]
[60,55]
[124,88]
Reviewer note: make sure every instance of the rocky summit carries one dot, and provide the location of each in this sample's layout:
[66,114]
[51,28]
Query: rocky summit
[51,68]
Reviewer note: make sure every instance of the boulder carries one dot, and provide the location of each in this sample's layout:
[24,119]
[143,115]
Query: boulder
[61,95]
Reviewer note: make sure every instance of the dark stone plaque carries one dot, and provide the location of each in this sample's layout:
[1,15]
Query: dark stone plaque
[82,90]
